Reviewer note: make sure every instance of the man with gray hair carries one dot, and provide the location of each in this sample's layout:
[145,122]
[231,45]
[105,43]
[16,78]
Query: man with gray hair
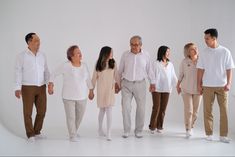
[135,67]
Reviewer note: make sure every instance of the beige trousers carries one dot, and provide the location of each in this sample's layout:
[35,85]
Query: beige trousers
[191,108]
[209,94]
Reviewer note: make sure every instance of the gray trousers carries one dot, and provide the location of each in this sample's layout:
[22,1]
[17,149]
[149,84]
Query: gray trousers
[74,110]
[136,89]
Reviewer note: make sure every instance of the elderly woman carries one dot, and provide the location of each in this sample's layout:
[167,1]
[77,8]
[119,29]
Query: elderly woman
[76,81]
[187,85]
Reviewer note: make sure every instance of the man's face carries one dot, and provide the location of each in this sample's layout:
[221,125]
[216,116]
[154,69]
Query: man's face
[34,43]
[135,45]
[209,40]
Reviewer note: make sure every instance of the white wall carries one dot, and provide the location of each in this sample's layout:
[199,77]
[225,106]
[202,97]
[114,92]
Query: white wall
[92,24]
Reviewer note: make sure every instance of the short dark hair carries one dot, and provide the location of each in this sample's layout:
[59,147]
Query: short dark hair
[29,37]
[212,31]
[162,52]
[70,52]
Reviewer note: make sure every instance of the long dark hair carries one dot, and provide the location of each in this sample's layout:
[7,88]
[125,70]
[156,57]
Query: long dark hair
[162,52]
[101,62]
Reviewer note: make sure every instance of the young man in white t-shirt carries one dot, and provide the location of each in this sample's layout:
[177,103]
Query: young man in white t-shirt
[214,75]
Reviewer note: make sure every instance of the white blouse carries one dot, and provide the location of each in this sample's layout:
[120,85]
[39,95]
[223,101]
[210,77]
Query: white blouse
[76,81]
[165,77]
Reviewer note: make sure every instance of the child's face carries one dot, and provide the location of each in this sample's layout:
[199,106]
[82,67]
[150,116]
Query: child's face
[111,55]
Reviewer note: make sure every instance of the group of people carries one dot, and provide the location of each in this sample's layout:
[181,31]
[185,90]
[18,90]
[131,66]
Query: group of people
[199,78]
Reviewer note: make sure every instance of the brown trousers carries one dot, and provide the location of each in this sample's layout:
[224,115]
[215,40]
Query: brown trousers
[34,95]
[208,101]
[160,101]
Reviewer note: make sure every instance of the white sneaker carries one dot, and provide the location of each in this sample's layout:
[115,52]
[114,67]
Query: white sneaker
[125,135]
[209,138]
[31,139]
[138,135]
[152,131]
[73,139]
[108,137]
[159,131]
[188,133]
[40,137]
[224,139]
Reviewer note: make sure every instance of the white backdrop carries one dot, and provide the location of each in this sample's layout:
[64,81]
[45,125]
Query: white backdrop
[93,24]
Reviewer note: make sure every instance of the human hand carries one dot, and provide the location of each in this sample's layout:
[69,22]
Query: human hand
[227,87]
[152,88]
[18,93]
[117,88]
[50,88]
[91,95]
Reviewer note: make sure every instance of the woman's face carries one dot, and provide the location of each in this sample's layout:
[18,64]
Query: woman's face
[110,55]
[77,55]
[167,55]
[193,51]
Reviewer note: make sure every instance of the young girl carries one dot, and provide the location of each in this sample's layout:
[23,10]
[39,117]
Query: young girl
[187,85]
[165,79]
[76,81]
[105,75]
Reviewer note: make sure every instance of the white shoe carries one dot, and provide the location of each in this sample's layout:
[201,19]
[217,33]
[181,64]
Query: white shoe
[73,139]
[40,137]
[152,131]
[138,135]
[224,139]
[159,131]
[209,138]
[125,135]
[108,137]
[31,139]
[188,134]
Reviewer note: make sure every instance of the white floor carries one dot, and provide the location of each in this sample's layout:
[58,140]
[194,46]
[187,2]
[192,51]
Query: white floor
[169,143]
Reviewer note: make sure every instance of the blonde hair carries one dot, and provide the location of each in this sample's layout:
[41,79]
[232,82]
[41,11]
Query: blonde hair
[186,49]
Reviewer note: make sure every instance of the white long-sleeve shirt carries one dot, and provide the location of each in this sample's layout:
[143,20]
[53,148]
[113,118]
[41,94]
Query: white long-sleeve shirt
[31,69]
[136,67]
[165,77]
[76,80]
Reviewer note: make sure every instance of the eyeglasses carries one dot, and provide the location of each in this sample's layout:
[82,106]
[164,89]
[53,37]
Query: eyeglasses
[135,45]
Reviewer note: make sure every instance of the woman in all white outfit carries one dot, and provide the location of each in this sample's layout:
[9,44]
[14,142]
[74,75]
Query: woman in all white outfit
[187,85]
[76,82]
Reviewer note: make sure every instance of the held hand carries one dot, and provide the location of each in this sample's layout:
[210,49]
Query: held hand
[117,88]
[50,88]
[18,93]
[91,95]
[178,89]
[152,88]
[227,87]
[199,88]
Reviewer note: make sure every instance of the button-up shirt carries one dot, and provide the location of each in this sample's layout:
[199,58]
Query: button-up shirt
[31,69]
[136,67]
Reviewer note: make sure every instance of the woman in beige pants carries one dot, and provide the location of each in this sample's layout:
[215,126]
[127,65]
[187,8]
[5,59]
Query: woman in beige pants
[187,86]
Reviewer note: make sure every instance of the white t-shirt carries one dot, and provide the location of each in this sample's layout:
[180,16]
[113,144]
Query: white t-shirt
[165,77]
[215,62]
[76,81]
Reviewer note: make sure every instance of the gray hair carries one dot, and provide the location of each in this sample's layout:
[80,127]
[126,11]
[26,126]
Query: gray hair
[136,37]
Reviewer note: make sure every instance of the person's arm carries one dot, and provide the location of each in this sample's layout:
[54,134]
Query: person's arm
[117,79]
[121,70]
[18,75]
[150,73]
[181,76]
[46,72]
[200,73]
[58,71]
[229,80]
